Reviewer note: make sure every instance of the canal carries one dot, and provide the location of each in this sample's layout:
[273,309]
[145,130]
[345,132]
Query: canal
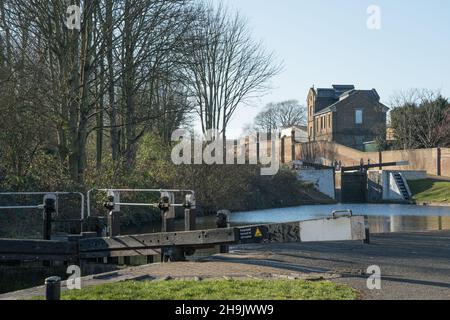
[383,218]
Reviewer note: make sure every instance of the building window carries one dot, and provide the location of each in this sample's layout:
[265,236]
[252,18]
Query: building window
[359,117]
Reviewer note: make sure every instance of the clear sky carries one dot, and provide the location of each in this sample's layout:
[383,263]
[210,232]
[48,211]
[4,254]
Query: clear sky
[325,42]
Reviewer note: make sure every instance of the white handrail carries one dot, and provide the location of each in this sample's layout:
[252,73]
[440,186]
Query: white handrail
[135,191]
[40,206]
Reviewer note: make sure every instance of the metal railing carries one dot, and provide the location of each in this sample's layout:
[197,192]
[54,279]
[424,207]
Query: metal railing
[41,206]
[190,193]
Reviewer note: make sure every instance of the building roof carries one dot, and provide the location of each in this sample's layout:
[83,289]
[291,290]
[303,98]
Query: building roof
[328,96]
[325,104]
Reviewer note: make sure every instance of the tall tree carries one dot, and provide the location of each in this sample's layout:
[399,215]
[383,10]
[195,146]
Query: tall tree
[226,65]
[416,118]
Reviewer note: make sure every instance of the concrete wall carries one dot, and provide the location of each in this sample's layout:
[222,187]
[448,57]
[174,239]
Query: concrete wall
[383,186]
[414,175]
[323,180]
[391,190]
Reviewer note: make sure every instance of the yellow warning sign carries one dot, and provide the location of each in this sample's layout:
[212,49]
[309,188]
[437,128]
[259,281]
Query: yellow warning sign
[258,233]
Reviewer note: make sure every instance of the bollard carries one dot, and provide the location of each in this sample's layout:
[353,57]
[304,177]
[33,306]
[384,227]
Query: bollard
[49,209]
[113,217]
[367,240]
[113,222]
[222,222]
[190,213]
[53,289]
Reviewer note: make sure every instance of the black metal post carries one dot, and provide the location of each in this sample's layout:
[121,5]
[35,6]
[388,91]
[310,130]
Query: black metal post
[168,225]
[49,209]
[113,224]
[53,289]
[439,162]
[113,218]
[222,222]
[293,142]
[190,220]
[380,159]
[367,230]
[258,148]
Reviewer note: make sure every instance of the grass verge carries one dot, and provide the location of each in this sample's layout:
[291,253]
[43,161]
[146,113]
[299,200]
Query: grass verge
[430,190]
[216,290]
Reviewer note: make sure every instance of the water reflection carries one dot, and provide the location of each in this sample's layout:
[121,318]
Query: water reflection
[382,218]
[408,224]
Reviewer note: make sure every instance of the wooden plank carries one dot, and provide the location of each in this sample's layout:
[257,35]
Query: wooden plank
[37,247]
[340,229]
[120,253]
[36,257]
[37,250]
[159,240]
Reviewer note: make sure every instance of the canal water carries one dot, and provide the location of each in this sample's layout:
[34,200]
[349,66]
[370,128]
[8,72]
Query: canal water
[383,218]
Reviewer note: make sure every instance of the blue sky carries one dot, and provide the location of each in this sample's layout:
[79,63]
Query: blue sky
[325,42]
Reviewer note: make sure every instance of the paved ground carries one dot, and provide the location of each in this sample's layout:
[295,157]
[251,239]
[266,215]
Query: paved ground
[182,271]
[414,266]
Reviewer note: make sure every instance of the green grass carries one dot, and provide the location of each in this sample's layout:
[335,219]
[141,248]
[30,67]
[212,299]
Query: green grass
[430,190]
[215,290]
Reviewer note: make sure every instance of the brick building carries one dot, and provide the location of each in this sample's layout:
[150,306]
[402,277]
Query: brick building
[345,115]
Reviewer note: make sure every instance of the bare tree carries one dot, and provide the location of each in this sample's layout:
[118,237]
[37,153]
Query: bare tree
[226,66]
[284,114]
[416,116]
[133,68]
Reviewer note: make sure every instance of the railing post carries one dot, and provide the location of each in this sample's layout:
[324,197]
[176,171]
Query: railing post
[113,222]
[168,225]
[293,142]
[53,289]
[380,159]
[367,230]
[190,223]
[113,218]
[49,209]
[439,162]
[258,148]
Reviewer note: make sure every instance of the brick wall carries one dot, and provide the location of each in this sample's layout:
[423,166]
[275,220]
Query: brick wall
[328,152]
